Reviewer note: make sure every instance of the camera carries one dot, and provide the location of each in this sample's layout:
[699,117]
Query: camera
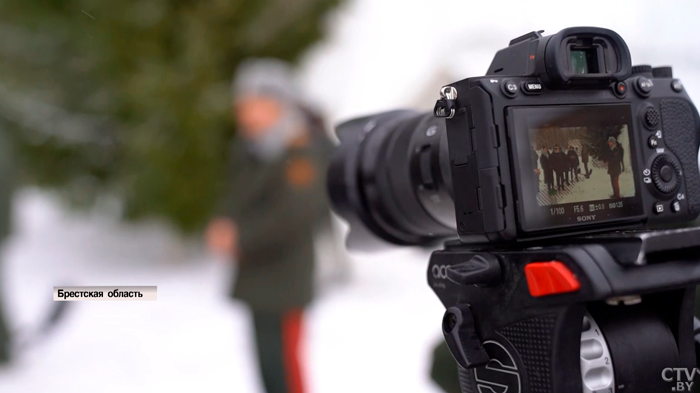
[563,136]
[567,175]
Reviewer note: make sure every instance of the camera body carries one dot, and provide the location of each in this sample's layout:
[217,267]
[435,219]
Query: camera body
[575,94]
[562,137]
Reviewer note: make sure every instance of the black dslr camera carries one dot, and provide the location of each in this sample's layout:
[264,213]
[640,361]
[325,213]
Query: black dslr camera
[556,171]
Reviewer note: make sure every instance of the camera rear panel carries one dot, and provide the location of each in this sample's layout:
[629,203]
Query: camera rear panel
[661,142]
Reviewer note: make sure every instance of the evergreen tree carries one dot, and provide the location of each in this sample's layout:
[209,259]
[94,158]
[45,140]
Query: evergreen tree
[132,97]
[597,139]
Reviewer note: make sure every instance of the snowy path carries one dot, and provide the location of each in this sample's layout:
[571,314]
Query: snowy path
[595,188]
[193,339]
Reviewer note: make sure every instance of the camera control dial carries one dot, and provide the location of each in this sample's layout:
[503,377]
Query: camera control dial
[662,72]
[666,174]
[641,69]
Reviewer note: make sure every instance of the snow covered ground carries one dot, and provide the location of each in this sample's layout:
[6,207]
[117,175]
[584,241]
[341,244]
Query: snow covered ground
[373,334]
[595,188]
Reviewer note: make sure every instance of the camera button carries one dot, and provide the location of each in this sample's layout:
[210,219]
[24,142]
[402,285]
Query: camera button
[666,174]
[651,118]
[653,142]
[531,87]
[620,89]
[676,85]
[644,86]
[509,88]
[675,206]
[658,208]
[550,278]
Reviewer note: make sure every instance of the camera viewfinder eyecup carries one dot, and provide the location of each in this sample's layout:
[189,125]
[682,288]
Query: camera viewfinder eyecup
[580,56]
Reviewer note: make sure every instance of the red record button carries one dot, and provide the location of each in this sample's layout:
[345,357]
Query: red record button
[620,89]
[550,278]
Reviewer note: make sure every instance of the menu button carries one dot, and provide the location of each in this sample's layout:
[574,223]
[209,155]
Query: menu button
[532,87]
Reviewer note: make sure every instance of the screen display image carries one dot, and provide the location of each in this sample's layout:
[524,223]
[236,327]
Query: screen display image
[576,165]
[581,164]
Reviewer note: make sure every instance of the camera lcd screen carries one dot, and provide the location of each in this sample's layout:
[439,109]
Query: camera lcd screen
[576,165]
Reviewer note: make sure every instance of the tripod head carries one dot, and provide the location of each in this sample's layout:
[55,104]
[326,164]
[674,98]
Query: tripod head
[605,313]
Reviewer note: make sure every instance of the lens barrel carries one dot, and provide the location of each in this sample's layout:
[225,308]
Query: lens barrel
[390,179]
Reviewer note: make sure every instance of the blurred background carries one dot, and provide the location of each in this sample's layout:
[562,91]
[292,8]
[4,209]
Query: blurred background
[119,118]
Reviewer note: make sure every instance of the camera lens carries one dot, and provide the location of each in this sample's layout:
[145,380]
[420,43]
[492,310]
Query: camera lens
[390,179]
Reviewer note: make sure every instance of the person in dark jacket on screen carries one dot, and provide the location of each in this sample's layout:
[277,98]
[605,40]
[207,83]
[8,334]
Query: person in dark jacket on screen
[584,160]
[275,202]
[615,165]
[558,161]
[546,165]
[536,170]
[573,163]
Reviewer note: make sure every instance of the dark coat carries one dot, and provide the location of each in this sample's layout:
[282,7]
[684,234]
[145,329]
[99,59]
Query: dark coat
[573,158]
[277,207]
[559,162]
[545,163]
[615,156]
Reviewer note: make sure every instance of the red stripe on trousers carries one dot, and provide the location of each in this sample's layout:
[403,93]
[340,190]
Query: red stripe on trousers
[291,335]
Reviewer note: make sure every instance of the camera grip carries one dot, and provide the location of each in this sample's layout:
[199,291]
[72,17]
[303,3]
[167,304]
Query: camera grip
[680,128]
[531,341]
[466,380]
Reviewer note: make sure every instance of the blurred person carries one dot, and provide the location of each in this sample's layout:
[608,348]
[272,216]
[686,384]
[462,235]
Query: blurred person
[622,156]
[573,163]
[275,202]
[578,152]
[534,157]
[615,165]
[567,166]
[7,187]
[546,166]
[13,342]
[559,164]
[584,159]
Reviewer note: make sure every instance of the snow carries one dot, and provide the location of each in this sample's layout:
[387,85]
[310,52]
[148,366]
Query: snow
[372,334]
[595,188]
